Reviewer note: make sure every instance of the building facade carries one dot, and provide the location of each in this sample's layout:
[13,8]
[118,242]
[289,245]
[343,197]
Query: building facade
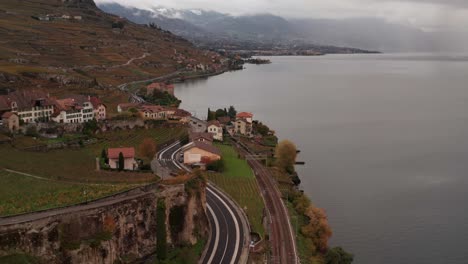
[196,152]
[29,106]
[215,128]
[243,124]
[11,121]
[128,155]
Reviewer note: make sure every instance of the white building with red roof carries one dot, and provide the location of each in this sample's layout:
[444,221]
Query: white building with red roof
[128,155]
[243,124]
[100,109]
[30,106]
[214,127]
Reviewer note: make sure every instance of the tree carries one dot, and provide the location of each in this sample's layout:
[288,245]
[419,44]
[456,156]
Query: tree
[148,148]
[232,112]
[90,127]
[286,153]
[209,115]
[220,113]
[317,228]
[121,162]
[338,255]
[262,129]
[217,165]
[104,157]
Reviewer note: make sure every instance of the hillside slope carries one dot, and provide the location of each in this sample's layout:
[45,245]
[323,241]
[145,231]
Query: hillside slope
[83,46]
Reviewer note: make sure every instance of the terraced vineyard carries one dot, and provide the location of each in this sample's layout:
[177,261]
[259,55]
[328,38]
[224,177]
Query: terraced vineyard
[239,182]
[45,194]
[79,165]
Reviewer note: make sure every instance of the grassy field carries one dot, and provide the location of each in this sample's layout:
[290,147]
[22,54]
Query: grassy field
[79,165]
[20,193]
[239,182]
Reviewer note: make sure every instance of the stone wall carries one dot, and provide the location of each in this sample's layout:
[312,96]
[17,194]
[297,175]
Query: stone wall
[117,231]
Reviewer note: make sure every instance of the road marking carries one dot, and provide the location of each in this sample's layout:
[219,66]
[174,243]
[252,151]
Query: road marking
[173,154]
[166,149]
[216,223]
[217,233]
[236,224]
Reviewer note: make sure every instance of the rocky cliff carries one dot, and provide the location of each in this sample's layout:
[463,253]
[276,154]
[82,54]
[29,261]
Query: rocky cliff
[120,230]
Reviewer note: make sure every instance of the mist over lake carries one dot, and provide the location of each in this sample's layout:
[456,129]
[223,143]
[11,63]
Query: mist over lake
[384,138]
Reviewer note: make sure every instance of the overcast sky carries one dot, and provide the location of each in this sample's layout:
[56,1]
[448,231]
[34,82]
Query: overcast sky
[430,15]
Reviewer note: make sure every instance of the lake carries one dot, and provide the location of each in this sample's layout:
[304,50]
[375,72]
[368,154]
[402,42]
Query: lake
[384,138]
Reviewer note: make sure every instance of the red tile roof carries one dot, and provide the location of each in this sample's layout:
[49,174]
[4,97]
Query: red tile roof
[154,86]
[7,115]
[24,99]
[96,102]
[182,113]
[244,115]
[213,122]
[152,108]
[197,135]
[113,153]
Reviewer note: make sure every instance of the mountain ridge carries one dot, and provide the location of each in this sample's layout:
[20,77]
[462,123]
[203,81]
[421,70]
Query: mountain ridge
[359,33]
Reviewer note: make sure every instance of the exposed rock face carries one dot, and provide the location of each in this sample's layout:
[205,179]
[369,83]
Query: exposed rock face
[122,231]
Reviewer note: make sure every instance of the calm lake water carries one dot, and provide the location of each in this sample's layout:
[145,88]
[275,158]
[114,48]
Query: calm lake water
[384,138]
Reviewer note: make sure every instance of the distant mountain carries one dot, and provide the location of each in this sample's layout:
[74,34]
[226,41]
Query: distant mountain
[365,33]
[201,26]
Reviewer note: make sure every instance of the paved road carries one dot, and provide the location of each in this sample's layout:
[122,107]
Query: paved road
[283,243]
[226,244]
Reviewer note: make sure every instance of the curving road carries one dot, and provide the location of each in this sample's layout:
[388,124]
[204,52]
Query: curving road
[227,243]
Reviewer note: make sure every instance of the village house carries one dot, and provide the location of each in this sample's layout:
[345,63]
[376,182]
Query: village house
[152,112]
[243,124]
[162,87]
[204,137]
[215,128]
[181,115]
[29,106]
[100,109]
[10,121]
[76,109]
[129,158]
[196,152]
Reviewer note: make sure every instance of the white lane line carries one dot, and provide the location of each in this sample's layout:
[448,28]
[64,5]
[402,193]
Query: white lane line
[166,149]
[236,225]
[230,212]
[174,160]
[217,233]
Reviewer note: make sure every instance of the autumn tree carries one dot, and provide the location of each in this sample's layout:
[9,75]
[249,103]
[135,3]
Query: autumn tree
[286,153]
[317,228]
[148,148]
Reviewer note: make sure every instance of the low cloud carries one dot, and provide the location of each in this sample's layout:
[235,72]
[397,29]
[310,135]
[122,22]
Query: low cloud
[428,15]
